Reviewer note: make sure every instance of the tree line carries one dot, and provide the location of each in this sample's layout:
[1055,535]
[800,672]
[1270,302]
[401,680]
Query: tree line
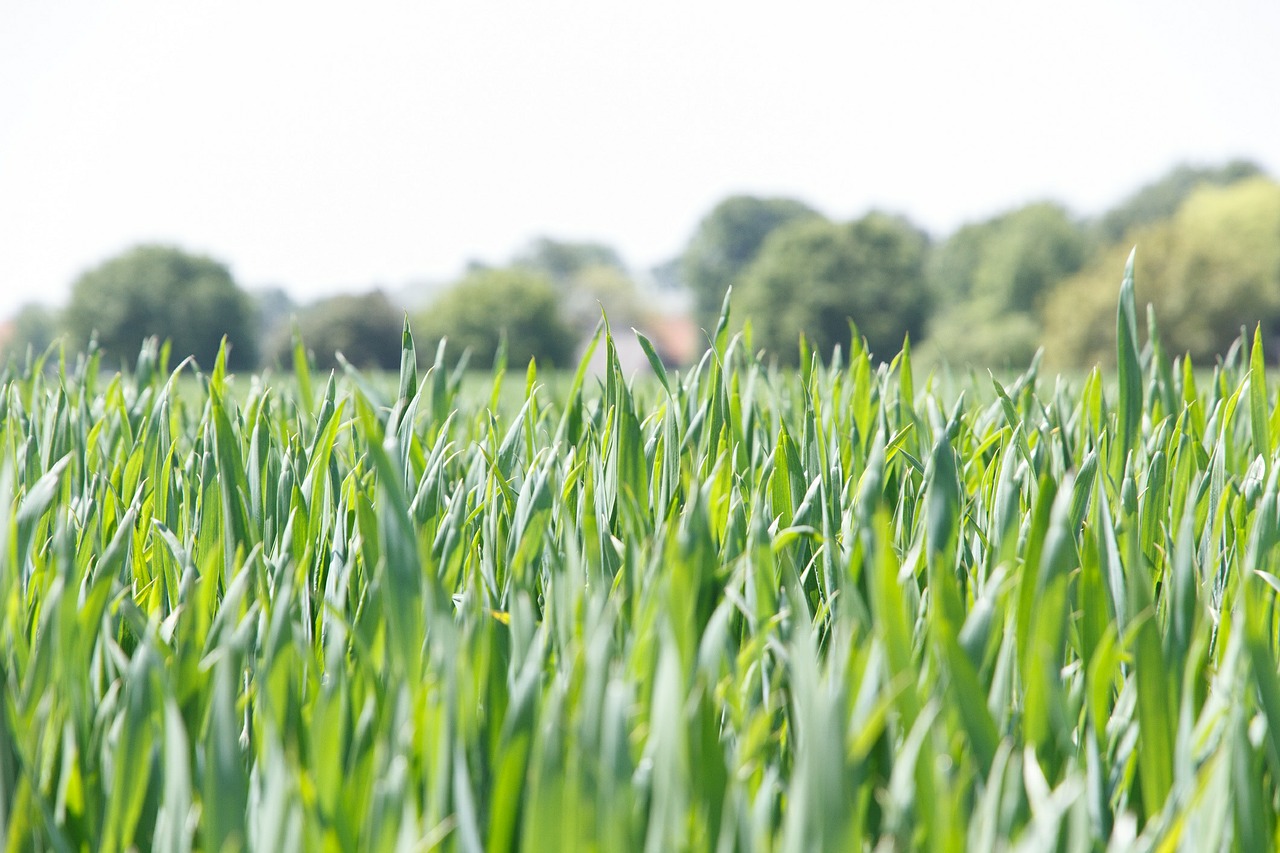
[995,291]
[988,295]
[540,305]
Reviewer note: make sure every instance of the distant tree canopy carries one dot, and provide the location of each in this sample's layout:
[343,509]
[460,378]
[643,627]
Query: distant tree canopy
[273,308]
[1010,261]
[994,276]
[562,260]
[33,328]
[813,276]
[602,288]
[488,303]
[1211,269]
[727,240]
[1161,199]
[988,295]
[589,277]
[189,299]
[668,275]
[364,328]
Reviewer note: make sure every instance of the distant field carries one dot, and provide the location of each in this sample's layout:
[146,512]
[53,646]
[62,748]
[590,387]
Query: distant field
[734,609]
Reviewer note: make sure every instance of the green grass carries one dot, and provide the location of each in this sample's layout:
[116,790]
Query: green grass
[732,609]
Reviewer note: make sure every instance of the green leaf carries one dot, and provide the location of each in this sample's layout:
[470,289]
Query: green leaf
[301,368]
[659,369]
[1259,410]
[1131,387]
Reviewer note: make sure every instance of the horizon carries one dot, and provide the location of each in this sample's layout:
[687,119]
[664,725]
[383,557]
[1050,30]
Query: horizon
[324,152]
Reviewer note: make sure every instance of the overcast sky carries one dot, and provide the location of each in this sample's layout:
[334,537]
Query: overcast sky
[327,147]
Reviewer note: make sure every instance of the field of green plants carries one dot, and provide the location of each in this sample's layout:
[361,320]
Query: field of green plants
[846,608]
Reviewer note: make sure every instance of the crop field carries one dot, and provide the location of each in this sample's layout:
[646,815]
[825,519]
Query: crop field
[851,607]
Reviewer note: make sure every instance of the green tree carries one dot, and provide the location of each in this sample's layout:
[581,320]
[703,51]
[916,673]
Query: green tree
[589,277]
[1209,271]
[606,288]
[563,260]
[812,277]
[487,304]
[365,328]
[727,240]
[1009,261]
[34,327]
[953,263]
[1031,250]
[1161,198]
[192,300]
[994,276]
[669,274]
[274,309]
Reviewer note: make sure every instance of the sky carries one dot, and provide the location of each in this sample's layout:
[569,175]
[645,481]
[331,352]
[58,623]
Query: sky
[325,147]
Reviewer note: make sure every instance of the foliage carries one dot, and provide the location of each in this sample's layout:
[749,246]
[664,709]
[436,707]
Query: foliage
[489,305]
[162,291]
[31,330]
[994,277]
[275,311]
[1010,261]
[562,260]
[365,329]
[814,276]
[831,609]
[668,275]
[1160,199]
[972,335]
[1211,269]
[725,243]
[590,277]
[602,288]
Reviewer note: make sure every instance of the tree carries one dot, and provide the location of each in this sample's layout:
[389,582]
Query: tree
[588,276]
[1209,271]
[562,261]
[993,277]
[813,276]
[34,327]
[1010,261]
[487,304]
[953,263]
[973,334]
[274,309]
[606,288]
[669,274]
[727,241]
[1160,199]
[364,328]
[192,300]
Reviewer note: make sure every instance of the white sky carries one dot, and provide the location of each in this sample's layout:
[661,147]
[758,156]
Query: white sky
[334,147]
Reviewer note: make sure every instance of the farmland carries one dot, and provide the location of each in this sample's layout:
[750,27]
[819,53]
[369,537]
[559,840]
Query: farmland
[733,609]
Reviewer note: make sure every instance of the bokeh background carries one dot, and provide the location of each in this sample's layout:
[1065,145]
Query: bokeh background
[972,175]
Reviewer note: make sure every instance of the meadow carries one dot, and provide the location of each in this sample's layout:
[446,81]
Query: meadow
[842,608]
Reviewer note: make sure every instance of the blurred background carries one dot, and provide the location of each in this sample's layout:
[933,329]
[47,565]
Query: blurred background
[973,175]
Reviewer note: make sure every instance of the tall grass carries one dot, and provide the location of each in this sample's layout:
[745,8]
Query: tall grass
[733,609]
